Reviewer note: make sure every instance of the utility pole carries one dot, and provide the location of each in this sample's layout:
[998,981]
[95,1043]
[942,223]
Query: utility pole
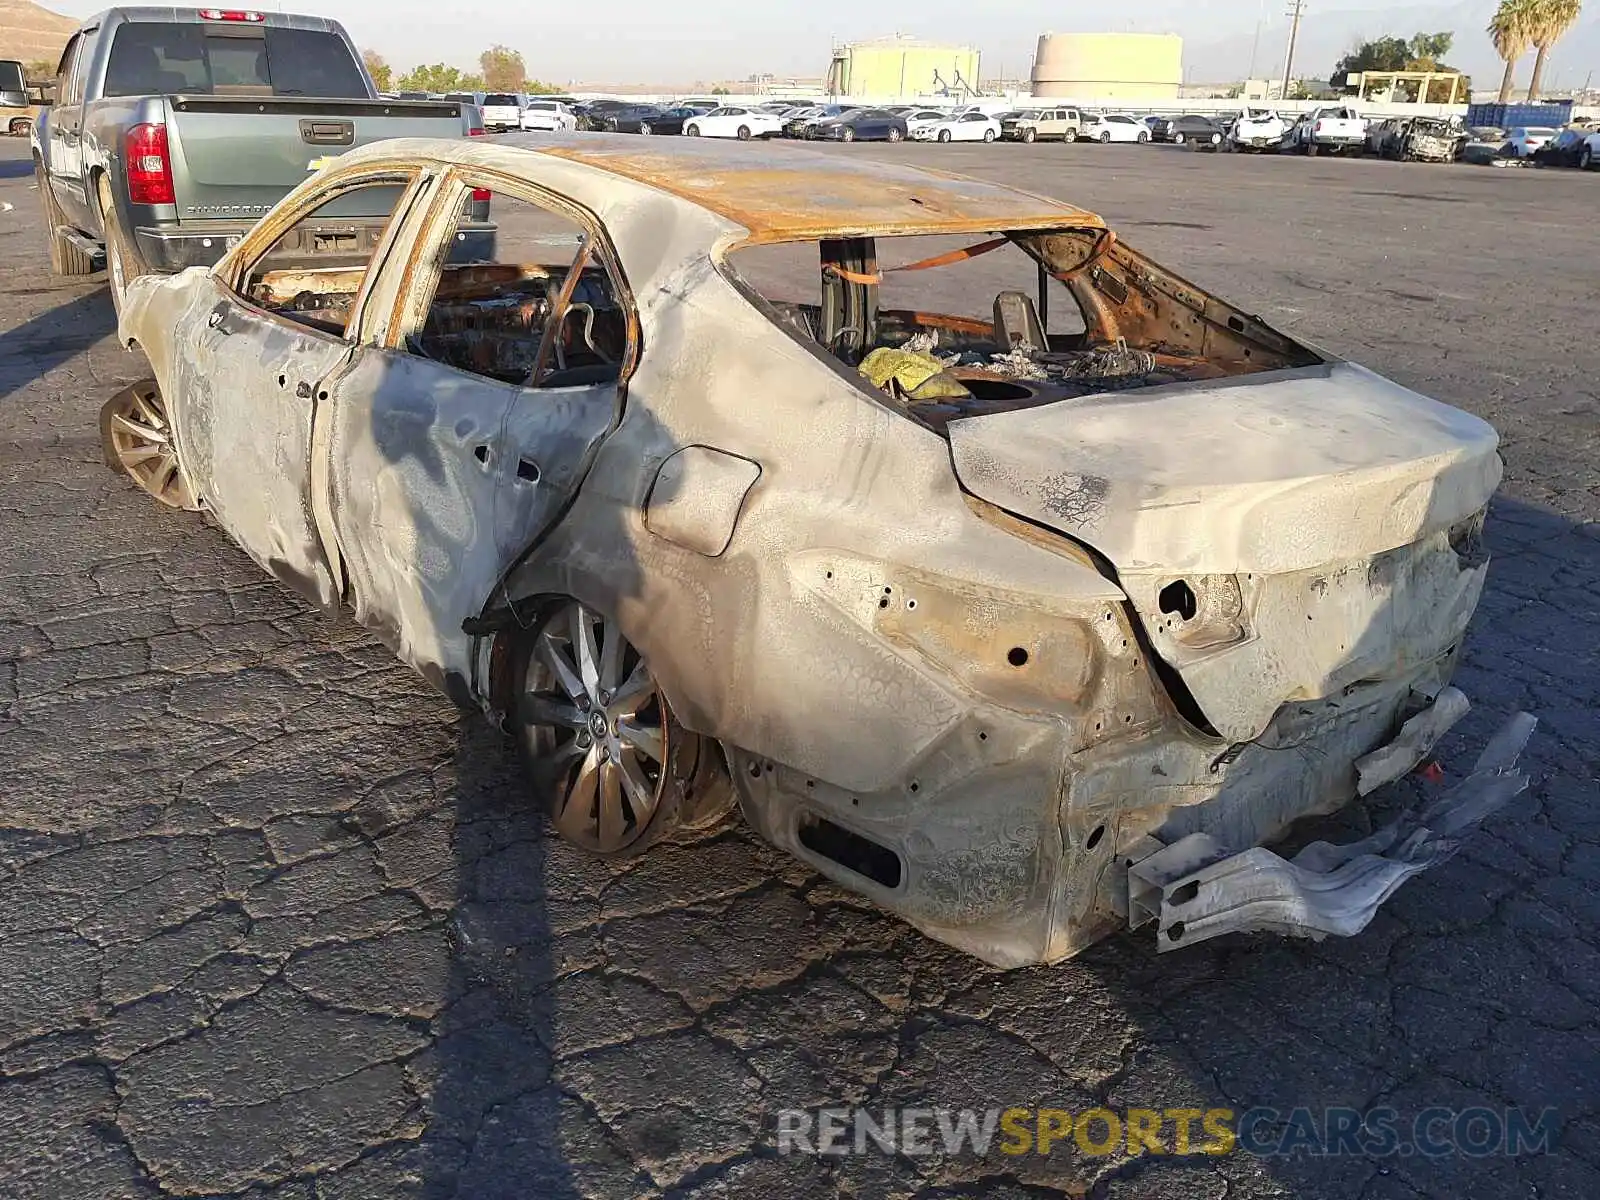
[1297,9]
[1255,47]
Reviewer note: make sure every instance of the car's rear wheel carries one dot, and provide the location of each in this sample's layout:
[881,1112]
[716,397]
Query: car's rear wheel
[1105,138]
[1313,150]
[744,133]
[1030,135]
[848,134]
[136,439]
[1178,139]
[644,128]
[598,735]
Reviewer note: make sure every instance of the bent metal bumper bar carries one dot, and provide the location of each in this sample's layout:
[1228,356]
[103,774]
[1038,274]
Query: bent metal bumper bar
[1197,889]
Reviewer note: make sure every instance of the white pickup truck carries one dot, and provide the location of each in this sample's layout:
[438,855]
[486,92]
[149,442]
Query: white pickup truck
[1335,130]
[1258,129]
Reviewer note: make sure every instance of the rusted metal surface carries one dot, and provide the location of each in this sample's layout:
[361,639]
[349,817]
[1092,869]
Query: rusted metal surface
[1008,644]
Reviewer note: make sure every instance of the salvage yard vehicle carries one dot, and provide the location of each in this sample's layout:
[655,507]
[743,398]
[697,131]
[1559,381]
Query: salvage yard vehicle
[1113,127]
[1028,619]
[1338,130]
[1258,131]
[645,119]
[1047,125]
[862,125]
[1564,150]
[1418,139]
[1200,132]
[733,121]
[501,111]
[551,116]
[175,129]
[19,102]
[1525,140]
[968,127]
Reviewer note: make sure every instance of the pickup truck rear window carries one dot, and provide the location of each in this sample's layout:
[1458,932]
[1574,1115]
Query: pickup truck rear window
[150,58]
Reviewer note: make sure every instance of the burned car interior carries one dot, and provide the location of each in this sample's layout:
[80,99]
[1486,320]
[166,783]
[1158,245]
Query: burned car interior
[1075,313]
[532,305]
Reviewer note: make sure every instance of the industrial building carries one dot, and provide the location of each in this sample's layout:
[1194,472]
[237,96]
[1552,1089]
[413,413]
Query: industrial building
[1108,66]
[898,66]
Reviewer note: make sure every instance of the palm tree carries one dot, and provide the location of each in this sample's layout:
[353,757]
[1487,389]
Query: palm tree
[1551,19]
[1510,31]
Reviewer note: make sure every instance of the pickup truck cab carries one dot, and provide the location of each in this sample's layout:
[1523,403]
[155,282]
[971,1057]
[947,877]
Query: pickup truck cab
[174,130]
[1336,130]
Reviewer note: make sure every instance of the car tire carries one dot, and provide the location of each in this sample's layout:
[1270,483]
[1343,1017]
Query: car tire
[894,134]
[1030,136]
[988,135]
[579,748]
[65,258]
[136,441]
[847,134]
[1071,136]
[1178,139]
[1105,139]
[644,128]
[944,135]
[1585,159]
[1144,137]
[691,130]
[744,133]
[123,261]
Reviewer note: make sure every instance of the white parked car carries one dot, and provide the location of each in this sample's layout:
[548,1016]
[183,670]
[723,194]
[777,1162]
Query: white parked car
[1113,127]
[548,116]
[1524,140]
[967,127]
[1590,154]
[921,118]
[732,121]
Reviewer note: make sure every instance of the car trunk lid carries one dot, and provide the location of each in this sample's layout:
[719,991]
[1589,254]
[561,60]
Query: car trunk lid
[1277,501]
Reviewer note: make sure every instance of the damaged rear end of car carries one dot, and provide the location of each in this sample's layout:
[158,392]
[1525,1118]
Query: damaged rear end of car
[1289,549]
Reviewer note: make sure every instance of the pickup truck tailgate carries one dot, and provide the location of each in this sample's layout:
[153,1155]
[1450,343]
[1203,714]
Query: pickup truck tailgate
[234,157]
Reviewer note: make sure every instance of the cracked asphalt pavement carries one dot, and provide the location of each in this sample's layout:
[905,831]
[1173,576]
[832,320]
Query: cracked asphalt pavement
[276,922]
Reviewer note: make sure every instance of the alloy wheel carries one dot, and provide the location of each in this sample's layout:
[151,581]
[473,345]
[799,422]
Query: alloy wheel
[644,128]
[136,437]
[598,729]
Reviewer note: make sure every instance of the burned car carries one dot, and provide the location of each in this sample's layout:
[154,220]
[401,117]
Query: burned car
[1029,616]
[1420,139]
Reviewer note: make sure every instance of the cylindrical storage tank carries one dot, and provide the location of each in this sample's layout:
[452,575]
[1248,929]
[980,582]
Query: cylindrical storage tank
[1108,66]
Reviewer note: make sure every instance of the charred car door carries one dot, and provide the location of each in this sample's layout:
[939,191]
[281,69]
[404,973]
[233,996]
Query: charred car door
[457,441]
[265,340]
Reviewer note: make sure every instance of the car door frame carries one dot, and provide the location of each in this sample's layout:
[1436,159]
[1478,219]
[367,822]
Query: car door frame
[398,303]
[320,580]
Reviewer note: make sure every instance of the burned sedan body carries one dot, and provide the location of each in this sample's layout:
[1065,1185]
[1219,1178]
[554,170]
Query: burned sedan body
[1029,615]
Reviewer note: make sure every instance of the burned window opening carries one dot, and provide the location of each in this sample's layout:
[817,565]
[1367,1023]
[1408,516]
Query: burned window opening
[1013,321]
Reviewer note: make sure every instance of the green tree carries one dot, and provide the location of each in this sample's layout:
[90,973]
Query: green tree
[1510,29]
[1550,20]
[437,77]
[382,73]
[503,69]
[720,91]
[1422,52]
[535,87]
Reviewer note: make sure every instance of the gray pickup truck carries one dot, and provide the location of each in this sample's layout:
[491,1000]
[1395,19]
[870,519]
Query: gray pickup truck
[174,130]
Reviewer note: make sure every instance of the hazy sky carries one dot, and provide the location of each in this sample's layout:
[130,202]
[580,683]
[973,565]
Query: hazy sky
[679,41]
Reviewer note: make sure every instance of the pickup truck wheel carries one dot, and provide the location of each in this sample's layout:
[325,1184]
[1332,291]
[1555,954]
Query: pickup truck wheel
[136,438]
[65,258]
[601,742]
[1312,150]
[123,264]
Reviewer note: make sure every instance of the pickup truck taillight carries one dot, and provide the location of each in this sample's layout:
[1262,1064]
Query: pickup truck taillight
[482,195]
[1317,128]
[149,165]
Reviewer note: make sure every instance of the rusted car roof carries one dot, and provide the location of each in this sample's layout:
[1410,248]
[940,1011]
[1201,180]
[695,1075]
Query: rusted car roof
[785,192]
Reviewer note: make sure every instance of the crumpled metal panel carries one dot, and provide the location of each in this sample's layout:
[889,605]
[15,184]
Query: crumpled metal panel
[1325,889]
